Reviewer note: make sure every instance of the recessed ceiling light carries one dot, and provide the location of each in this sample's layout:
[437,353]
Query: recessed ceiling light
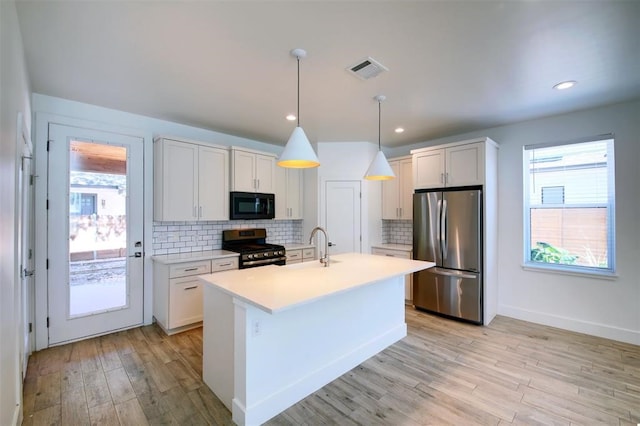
[565,85]
[399,130]
[291,117]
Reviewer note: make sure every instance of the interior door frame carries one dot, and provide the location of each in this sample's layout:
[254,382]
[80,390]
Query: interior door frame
[42,121]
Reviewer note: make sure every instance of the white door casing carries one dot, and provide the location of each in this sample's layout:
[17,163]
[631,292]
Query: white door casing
[23,296]
[62,326]
[342,216]
[26,257]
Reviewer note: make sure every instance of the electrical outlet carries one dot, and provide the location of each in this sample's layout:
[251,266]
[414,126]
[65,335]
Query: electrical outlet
[256,328]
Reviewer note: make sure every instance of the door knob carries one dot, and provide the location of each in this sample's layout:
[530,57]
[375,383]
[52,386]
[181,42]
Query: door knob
[136,254]
[331,244]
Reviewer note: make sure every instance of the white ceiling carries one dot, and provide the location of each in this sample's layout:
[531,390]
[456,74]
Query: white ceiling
[453,66]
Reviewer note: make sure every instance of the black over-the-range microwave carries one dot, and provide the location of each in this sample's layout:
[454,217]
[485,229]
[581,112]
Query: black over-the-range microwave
[251,205]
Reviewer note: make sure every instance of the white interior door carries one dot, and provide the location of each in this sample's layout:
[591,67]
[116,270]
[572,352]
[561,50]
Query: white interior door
[95,232]
[342,216]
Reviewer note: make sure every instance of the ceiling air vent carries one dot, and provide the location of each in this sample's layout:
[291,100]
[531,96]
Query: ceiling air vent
[367,68]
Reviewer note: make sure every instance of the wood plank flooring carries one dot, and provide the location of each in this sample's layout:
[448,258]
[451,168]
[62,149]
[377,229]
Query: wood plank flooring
[443,372]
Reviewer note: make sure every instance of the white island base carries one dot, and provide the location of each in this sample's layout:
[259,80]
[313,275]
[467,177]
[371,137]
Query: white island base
[307,326]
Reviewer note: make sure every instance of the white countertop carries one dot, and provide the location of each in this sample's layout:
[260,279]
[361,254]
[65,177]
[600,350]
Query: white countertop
[402,247]
[298,246]
[277,288]
[169,259]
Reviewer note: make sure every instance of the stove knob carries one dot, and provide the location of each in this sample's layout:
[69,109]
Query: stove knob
[250,256]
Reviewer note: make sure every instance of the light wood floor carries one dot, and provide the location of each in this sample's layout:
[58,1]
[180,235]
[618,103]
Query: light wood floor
[443,372]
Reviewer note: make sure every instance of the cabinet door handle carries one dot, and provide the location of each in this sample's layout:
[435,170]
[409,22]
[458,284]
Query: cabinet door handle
[390,255]
[441,177]
[225,264]
[190,269]
[195,212]
[200,212]
[191,288]
[446,177]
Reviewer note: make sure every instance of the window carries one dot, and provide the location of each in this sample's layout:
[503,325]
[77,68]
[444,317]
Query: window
[553,195]
[81,203]
[569,206]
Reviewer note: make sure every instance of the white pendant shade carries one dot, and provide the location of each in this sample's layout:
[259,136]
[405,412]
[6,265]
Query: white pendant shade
[379,168]
[298,153]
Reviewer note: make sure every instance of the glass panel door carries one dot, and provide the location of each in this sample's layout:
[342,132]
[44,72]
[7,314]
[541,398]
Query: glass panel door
[95,222]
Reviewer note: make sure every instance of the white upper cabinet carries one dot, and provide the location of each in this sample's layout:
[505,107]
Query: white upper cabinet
[459,164]
[288,193]
[397,194]
[213,183]
[191,181]
[252,171]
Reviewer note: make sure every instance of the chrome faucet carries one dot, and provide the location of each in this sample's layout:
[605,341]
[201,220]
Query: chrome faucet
[323,259]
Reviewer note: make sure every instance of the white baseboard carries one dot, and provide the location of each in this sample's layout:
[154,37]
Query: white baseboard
[572,324]
[17,415]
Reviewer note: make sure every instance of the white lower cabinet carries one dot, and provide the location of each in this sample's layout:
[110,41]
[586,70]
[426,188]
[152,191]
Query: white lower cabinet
[300,255]
[185,301]
[177,292]
[404,254]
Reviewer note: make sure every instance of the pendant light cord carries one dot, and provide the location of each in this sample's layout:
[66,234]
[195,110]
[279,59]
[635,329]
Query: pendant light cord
[379,119]
[298,58]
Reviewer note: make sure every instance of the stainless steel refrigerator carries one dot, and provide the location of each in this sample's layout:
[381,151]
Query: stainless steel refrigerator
[447,230]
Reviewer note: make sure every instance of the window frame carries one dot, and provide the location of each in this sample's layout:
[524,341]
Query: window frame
[579,270]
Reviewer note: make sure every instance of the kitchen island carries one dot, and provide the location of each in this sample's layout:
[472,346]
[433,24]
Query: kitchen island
[273,335]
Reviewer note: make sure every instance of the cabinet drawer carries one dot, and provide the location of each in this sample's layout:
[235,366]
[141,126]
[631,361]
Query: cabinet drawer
[185,301]
[224,264]
[190,268]
[308,254]
[392,253]
[294,256]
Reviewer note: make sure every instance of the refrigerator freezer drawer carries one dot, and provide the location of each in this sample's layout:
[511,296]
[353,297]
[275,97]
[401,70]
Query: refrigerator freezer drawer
[449,292]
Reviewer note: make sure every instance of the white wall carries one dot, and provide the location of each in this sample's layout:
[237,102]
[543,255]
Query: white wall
[608,308]
[350,161]
[14,95]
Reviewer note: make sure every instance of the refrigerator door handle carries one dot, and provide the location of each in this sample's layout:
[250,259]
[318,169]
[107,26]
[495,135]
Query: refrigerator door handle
[443,229]
[449,273]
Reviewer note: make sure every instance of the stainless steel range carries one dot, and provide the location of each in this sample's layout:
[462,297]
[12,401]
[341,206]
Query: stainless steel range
[252,246]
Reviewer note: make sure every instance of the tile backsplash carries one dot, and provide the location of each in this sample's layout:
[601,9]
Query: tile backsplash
[397,232]
[184,237]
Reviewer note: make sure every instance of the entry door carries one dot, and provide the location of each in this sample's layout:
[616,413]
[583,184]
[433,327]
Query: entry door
[342,216]
[95,230]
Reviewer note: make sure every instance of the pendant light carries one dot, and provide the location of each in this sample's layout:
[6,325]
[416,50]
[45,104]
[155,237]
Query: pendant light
[298,153]
[379,168]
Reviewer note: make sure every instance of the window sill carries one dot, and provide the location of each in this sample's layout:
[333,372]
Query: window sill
[602,275]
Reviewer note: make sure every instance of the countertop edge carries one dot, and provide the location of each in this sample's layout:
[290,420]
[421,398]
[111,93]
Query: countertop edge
[398,247]
[194,256]
[298,246]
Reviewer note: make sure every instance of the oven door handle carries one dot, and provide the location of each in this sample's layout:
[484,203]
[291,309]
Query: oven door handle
[264,261]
